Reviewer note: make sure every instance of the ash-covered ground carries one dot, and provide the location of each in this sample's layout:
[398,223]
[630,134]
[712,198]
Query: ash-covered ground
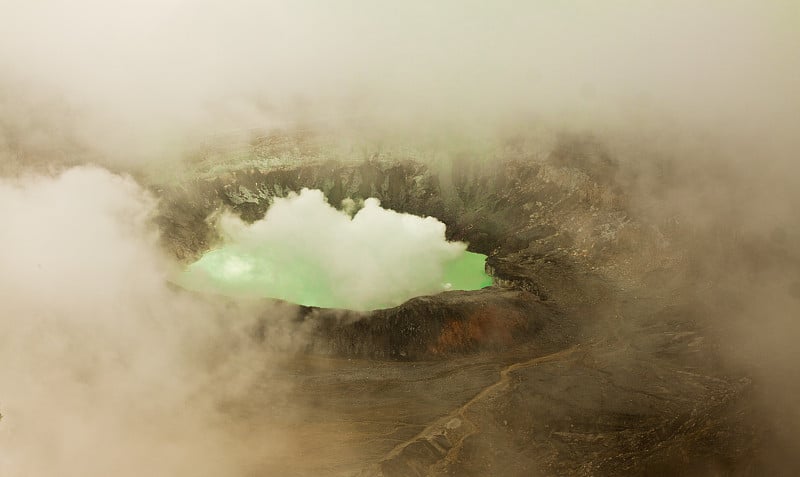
[610,343]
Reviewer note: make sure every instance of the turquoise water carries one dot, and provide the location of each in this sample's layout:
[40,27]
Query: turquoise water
[232,272]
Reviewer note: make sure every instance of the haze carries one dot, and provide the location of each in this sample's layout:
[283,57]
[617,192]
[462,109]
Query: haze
[699,102]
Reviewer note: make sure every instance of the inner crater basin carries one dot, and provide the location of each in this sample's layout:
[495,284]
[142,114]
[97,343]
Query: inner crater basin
[359,257]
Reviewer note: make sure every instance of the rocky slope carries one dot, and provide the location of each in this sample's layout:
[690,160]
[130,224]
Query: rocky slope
[595,329]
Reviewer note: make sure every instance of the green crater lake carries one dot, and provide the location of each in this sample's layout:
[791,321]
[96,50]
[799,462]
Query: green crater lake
[231,272]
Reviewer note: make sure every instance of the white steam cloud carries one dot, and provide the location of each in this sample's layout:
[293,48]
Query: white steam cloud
[307,251]
[104,370]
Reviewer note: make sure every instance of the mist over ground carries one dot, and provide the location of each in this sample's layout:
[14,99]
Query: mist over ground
[141,79]
[105,369]
[697,102]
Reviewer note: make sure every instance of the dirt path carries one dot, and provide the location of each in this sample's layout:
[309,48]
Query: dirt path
[447,434]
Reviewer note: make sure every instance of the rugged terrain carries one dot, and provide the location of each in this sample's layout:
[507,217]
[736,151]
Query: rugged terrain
[596,352]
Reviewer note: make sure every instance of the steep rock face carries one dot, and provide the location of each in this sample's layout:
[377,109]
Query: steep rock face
[443,325]
[541,222]
[555,228]
[547,230]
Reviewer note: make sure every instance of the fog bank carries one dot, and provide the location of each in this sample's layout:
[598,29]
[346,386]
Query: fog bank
[145,80]
[105,370]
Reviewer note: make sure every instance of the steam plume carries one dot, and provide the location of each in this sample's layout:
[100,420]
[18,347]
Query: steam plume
[308,252]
